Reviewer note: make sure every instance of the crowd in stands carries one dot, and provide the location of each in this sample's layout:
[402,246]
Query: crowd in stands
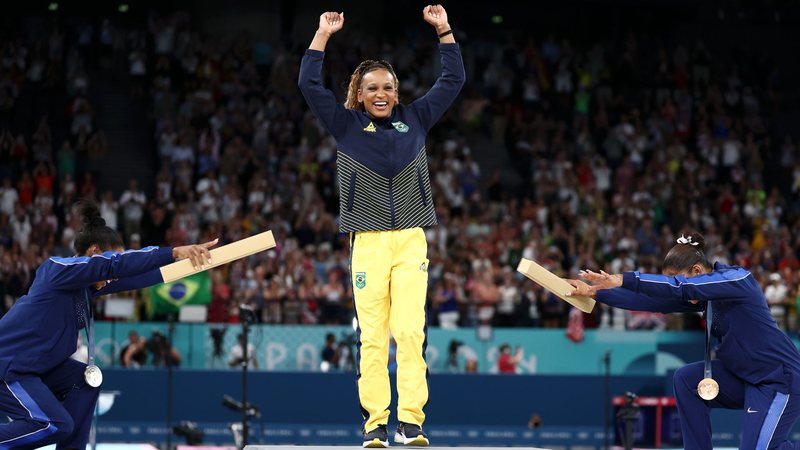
[620,145]
[47,141]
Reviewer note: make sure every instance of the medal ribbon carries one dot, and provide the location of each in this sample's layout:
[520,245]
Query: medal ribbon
[709,319]
[89,328]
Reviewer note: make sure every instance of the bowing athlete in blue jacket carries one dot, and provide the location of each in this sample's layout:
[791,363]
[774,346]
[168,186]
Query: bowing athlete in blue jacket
[42,390]
[757,366]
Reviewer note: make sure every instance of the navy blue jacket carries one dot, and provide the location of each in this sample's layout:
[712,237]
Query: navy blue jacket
[381,164]
[750,343]
[41,330]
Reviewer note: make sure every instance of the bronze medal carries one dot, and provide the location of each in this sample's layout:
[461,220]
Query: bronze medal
[708,388]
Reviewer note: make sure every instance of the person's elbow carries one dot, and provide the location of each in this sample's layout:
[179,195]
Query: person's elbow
[455,80]
[307,90]
[461,78]
[304,82]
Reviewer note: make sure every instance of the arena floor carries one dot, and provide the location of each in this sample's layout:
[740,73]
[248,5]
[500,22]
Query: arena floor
[332,447]
[296,447]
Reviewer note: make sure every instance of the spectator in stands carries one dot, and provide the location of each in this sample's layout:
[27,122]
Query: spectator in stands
[506,362]
[332,294]
[236,356]
[8,197]
[329,354]
[777,295]
[132,202]
[445,304]
[471,366]
[134,353]
[162,353]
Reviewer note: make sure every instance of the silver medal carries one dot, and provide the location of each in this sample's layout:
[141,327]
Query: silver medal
[93,376]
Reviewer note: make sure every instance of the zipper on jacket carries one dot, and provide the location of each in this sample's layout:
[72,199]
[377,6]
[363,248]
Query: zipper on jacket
[391,177]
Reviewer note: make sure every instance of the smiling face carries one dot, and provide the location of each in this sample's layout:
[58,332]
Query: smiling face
[378,93]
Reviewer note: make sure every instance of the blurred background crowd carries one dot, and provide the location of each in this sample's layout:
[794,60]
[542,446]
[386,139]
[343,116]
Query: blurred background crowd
[568,147]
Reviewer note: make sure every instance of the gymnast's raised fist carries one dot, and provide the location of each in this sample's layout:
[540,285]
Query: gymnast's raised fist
[436,16]
[330,22]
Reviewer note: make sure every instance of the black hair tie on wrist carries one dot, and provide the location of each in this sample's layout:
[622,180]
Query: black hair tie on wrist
[445,33]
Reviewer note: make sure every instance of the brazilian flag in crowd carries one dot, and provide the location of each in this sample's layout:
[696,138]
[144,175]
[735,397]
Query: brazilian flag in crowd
[169,297]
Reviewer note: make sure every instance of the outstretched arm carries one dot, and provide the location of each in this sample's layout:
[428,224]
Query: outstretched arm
[431,106]
[133,283]
[322,101]
[625,299]
[726,285]
[80,271]
[631,301]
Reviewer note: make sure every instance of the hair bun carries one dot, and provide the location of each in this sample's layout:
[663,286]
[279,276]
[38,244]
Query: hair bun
[90,215]
[694,239]
[96,222]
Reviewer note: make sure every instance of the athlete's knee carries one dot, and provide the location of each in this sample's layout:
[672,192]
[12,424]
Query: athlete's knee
[408,336]
[681,378]
[53,430]
[63,425]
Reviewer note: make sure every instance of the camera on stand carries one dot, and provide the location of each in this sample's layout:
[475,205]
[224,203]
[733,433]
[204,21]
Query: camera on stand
[239,429]
[250,409]
[189,431]
[628,414]
[346,346]
[247,314]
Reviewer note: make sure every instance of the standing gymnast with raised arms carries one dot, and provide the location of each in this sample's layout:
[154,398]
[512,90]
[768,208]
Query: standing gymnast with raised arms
[385,201]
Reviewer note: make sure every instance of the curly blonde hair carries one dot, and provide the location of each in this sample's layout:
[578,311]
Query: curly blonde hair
[355,81]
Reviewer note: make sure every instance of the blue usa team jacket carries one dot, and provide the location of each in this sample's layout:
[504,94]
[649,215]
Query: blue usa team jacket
[381,164]
[41,330]
[750,343]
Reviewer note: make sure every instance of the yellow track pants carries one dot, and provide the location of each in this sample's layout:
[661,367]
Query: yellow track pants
[389,271]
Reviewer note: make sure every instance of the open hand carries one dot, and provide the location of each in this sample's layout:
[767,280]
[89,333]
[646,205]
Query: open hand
[330,22]
[198,254]
[602,280]
[581,289]
[436,16]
